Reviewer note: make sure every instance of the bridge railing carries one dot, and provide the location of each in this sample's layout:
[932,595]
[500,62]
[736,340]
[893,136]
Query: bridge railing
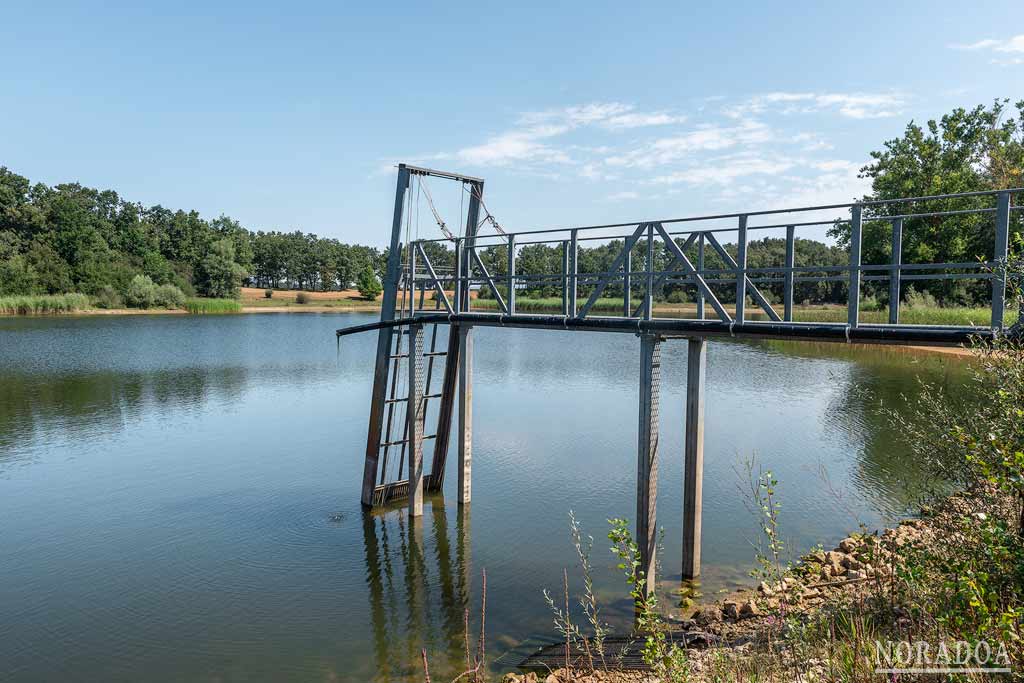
[708,259]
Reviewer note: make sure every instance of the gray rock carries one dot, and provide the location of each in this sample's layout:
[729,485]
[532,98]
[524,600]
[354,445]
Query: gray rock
[749,609]
[707,614]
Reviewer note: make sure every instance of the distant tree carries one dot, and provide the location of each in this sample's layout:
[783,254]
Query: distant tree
[369,286]
[218,275]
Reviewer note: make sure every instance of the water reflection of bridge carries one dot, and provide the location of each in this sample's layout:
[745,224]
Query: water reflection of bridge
[418,580]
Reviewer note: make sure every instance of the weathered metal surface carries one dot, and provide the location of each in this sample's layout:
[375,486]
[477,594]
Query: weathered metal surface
[415,412]
[1002,249]
[693,455]
[380,371]
[647,459]
[465,337]
[856,237]
[831,332]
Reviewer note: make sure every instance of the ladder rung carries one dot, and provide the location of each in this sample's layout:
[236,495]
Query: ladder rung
[403,400]
[402,441]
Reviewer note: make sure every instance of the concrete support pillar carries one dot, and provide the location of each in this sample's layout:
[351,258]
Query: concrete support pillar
[465,333]
[415,413]
[693,472]
[647,458]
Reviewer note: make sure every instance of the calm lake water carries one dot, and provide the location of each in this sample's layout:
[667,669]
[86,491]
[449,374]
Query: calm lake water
[179,496]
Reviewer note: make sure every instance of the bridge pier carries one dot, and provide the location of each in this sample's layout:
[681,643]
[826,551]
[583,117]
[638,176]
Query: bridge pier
[693,472]
[465,333]
[416,414]
[647,458]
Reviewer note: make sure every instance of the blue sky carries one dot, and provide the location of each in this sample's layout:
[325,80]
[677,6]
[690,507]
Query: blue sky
[290,115]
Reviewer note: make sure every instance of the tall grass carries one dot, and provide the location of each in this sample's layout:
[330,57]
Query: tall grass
[202,306]
[554,303]
[916,315]
[43,304]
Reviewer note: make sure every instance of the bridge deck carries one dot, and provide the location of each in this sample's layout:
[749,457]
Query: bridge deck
[679,327]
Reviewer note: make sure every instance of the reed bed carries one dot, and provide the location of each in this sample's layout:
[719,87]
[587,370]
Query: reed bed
[209,306]
[43,304]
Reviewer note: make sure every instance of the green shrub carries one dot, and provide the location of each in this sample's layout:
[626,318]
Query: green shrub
[141,292]
[302,298]
[676,296]
[107,297]
[869,303]
[916,299]
[268,293]
[368,285]
[169,296]
[201,306]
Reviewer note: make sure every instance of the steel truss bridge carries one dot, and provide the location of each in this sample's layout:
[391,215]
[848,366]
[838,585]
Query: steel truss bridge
[474,279]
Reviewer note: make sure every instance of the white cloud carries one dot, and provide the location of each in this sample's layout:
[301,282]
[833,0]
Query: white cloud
[526,142]
[639,120]
[725,170]
[1009,46]
[523,145]
[741,154]
[622,196]
[1014,44]
[667,150]
[851,105]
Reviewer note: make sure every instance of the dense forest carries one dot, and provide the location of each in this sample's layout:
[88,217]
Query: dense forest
[72,238]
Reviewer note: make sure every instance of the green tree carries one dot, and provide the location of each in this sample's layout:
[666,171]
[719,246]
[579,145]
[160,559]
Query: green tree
[218,275]
[972,150]
[369,285]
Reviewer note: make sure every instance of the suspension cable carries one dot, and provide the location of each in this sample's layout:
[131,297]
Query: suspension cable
[488,217]
[433,209]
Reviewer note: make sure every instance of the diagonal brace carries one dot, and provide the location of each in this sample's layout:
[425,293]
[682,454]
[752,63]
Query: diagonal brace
[754,292]
[487,276]
[612,270]
[692,272]
[433,277]
[676,263]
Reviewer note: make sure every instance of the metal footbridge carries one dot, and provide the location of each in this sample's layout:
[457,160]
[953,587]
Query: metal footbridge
[437,290]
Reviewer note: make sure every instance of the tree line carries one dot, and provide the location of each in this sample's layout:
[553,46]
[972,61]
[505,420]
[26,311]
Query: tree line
[72,238]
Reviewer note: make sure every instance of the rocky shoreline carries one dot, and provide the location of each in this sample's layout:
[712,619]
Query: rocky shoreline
[751,619]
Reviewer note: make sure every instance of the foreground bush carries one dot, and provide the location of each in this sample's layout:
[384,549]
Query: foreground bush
[302,298]
[42,304]
[201,306]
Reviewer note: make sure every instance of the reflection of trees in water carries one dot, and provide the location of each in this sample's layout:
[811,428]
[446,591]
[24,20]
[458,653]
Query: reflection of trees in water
[883,379]
[415,602]
[33,405]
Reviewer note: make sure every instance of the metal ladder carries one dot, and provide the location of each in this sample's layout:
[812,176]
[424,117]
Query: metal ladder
[392,483]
